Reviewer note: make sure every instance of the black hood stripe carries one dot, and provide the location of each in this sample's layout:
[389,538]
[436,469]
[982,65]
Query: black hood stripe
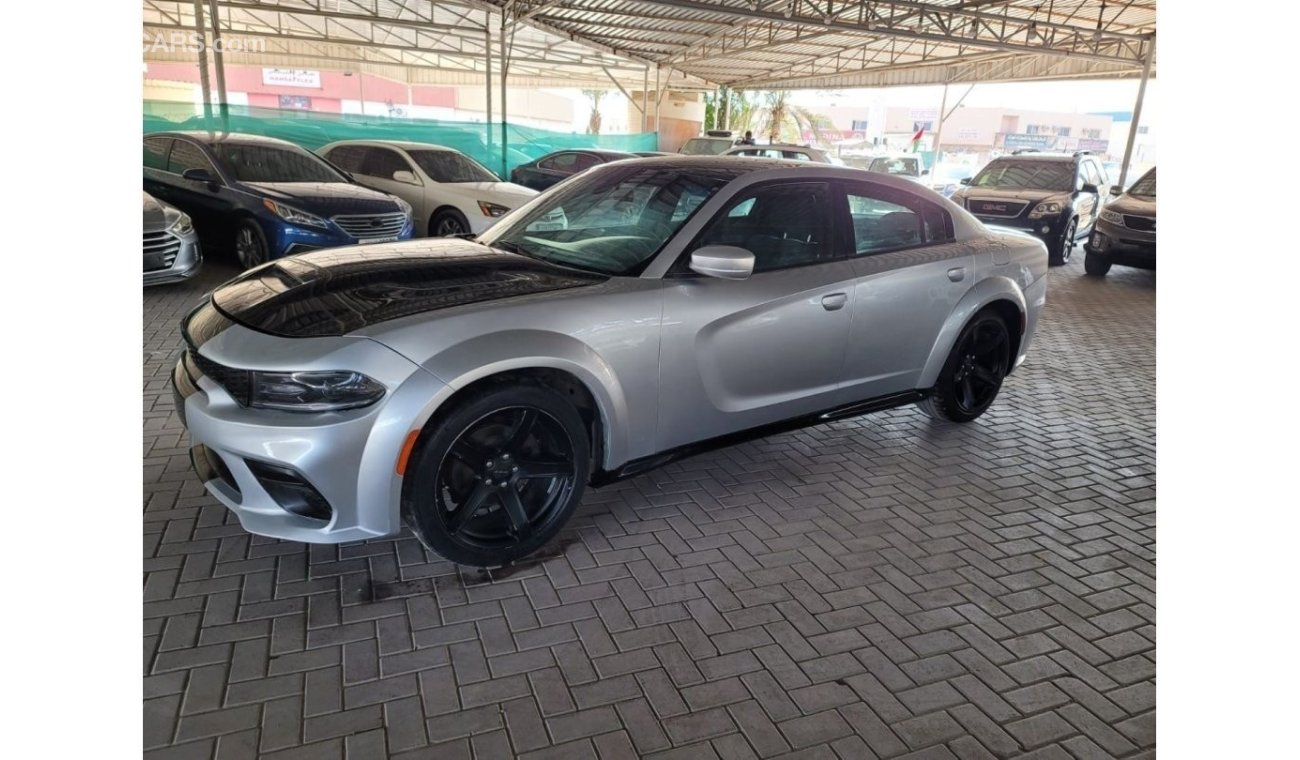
[341,290]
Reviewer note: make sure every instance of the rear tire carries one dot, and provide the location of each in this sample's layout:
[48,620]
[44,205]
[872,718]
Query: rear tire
[1096,265]
[498,476]
[973,374]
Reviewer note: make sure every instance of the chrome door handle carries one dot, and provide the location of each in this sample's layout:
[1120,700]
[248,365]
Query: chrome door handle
[957,274]
[834,301]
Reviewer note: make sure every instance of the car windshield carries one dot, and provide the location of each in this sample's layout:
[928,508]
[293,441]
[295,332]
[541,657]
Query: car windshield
[1027,175]
[1146,186]
[273,163]
[705,146]
[611,221]
[905,167]
[450,166]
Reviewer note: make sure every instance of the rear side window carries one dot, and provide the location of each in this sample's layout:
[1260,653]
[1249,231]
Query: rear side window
[155,152]
[347,157]
[583,161]
[561,162]
[882,219]
[186,155]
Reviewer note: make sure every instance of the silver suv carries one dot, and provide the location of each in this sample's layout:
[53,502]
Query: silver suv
[638,312]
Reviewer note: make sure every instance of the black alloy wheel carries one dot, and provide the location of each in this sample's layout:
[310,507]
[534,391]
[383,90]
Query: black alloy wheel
[447,224]
[500,477]
[973,375]
[250,245]
[1065,248]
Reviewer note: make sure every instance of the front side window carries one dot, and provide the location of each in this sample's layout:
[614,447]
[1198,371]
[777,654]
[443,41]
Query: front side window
[383,163]
[186,155]
[785,225]
[249,162]
[704,146]
[612,222]
[1030,175]
[449,166]
[886,220]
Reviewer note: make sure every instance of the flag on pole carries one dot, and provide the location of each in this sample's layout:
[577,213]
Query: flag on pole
[916,139]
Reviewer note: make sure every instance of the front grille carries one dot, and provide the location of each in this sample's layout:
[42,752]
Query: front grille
[160,249]
[237,382]
[1004,209]
[1140,223]
[365,226]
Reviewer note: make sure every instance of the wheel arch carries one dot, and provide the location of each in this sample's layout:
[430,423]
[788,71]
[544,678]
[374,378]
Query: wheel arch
[998,293]
[553,360]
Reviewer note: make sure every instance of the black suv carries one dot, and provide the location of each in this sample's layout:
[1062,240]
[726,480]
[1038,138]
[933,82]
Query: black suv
[1054,196]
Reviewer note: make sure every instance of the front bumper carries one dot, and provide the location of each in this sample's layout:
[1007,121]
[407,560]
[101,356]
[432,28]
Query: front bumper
[188,261]
[275,469]
[1047,229]
[1121,245]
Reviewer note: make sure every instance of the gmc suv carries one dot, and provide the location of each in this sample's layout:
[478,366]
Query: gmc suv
[1054,196]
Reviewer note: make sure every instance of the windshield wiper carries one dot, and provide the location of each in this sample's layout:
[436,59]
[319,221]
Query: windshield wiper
[515,248]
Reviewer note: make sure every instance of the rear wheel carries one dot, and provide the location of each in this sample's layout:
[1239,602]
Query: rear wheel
[500,476]
[448,223]
[1064,246]
[973,374]
[250,244]
[1096,265]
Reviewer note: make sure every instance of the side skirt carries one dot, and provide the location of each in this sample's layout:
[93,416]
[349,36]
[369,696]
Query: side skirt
[645,464]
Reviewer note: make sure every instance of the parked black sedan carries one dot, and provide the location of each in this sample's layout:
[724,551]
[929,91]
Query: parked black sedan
[1126,230]
[553,168]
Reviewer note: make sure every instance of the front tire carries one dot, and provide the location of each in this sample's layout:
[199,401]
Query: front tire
[1096,265]
[250,244]
[973,374]
[448,223]
[499,476]
[1064,247]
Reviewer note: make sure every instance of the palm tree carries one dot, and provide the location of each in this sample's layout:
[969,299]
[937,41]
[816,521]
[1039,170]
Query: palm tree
[781,120]
[593,122]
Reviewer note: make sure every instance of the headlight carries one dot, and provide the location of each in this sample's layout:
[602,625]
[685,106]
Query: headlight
[403,205]
[291,214]
[1112,217]
[1047,208]
[491,209]
[178,222]
[326,391]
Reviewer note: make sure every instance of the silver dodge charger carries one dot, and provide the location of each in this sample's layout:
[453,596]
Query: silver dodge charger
[636,313]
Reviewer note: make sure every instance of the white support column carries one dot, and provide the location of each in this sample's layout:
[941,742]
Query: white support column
[217,59]
[1137,111]
[487,79]
[204,85]
[645,99]
[938,131]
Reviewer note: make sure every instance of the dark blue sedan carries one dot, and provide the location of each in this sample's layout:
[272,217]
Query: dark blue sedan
[267,198]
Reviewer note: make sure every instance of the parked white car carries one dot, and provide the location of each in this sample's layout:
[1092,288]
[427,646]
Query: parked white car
[779,150]
[449,192]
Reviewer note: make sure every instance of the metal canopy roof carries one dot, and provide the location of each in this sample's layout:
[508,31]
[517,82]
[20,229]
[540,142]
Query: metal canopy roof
[748,44]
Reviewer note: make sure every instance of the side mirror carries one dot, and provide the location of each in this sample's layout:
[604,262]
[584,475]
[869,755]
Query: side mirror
[405,177]
[1088,187]
[965,180]
[726,262]
[1116,190]
[924,172]
[199,175]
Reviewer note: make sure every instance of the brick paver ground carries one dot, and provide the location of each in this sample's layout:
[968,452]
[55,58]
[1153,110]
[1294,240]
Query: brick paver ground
[878,587]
